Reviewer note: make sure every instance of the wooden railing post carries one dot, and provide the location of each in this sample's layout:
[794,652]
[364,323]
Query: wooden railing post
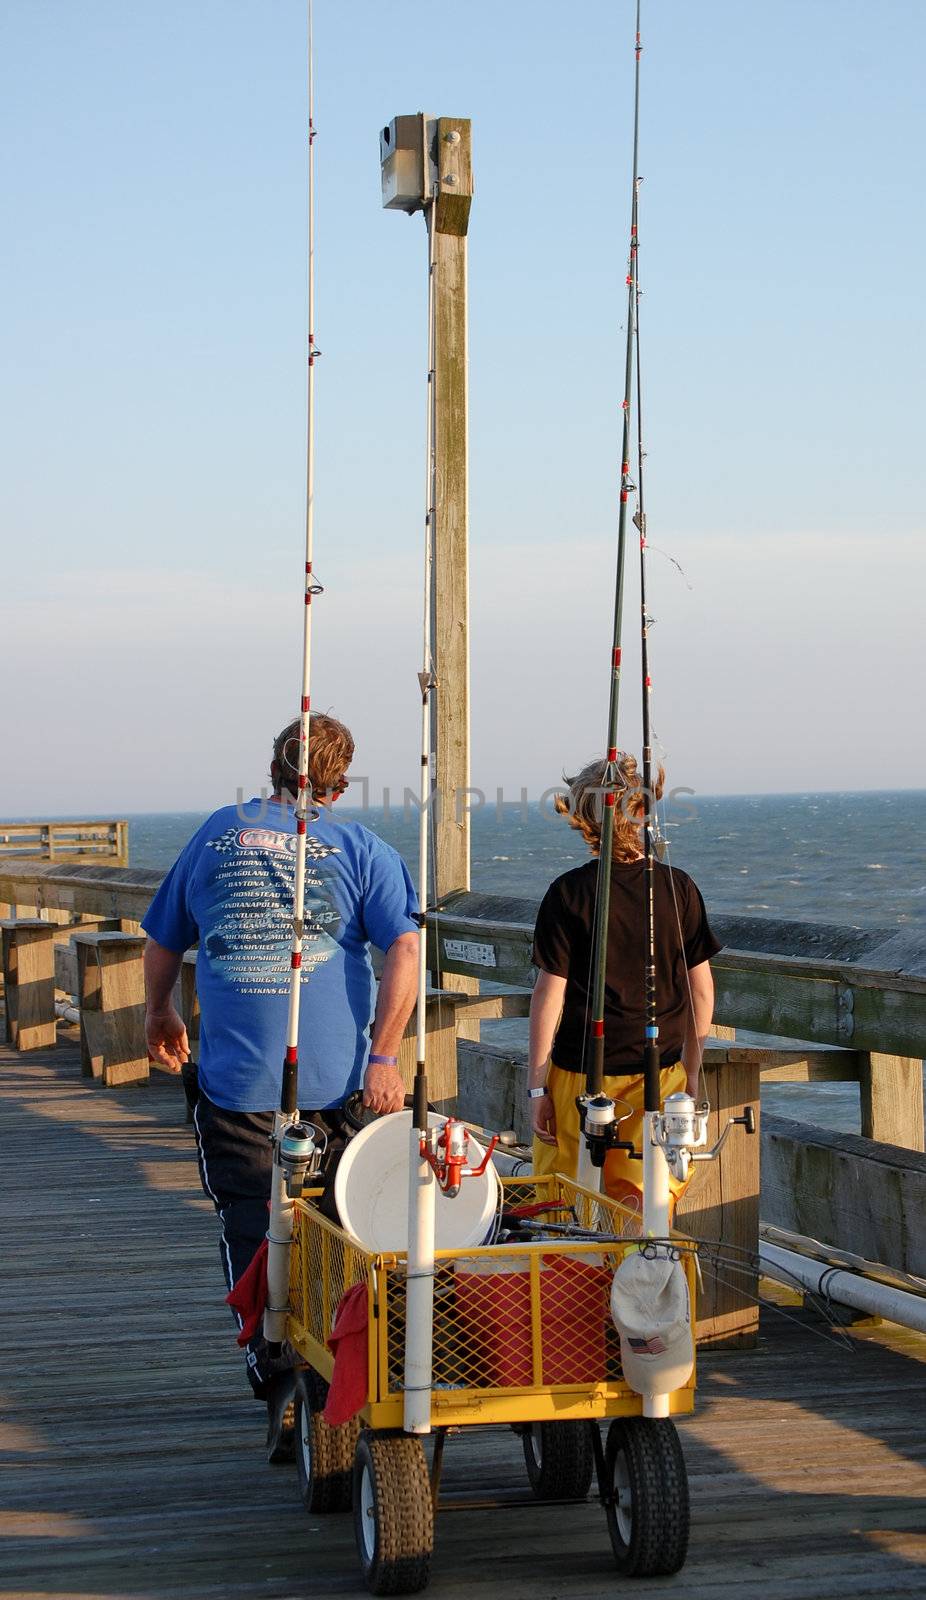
[111,990]
[722,1203]
[441,1028]
[891,1093]
[189,1001]
[29,983]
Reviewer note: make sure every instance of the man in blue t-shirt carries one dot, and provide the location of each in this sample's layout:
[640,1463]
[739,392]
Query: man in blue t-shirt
[231,890]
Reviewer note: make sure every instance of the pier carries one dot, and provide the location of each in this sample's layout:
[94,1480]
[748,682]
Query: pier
[133,1454]
[827,1003]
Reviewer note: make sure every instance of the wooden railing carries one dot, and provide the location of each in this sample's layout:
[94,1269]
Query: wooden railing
[77,843]
[859,993]
[855,999]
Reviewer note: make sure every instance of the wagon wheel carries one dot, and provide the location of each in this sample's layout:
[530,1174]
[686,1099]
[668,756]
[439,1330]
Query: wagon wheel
[393,1514]
[647,1496]
[560,1459]
[324,1455]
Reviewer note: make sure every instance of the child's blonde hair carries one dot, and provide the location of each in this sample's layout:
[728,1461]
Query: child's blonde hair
[584,805]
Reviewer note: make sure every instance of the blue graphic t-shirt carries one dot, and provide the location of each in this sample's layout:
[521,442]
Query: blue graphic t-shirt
[232,889]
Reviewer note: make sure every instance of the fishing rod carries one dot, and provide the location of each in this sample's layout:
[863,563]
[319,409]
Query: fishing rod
[675,1136]
[439,1157]
[293,1141]
[596,1111]
[656,1170]
[422,1196]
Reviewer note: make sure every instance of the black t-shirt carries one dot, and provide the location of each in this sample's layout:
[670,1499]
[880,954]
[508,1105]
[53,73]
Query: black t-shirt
[563,946]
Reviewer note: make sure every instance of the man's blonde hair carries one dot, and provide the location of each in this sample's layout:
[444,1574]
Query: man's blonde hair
[331,751]
[584,805]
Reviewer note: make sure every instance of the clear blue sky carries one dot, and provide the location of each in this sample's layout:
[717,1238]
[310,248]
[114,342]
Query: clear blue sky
[152,407]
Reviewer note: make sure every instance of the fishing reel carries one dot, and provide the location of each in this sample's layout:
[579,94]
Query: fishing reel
[446,1150]
[600,1125]
[300,1148]
[680,1130]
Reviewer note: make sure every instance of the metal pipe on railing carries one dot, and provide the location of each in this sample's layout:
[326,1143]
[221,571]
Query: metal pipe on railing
[844,1286]
[835,1256]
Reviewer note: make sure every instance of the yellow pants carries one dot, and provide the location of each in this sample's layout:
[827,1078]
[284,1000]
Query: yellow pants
[622,1178]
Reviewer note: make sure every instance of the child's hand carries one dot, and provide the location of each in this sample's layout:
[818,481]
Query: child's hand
[545,1119]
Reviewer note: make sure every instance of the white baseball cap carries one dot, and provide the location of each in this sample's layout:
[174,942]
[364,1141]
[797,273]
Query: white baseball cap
[651,1309]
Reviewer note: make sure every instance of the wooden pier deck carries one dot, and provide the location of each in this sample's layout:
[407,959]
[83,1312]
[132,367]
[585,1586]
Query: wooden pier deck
[132,1455]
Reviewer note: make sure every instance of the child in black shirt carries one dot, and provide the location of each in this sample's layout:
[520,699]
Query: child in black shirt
[561,1002]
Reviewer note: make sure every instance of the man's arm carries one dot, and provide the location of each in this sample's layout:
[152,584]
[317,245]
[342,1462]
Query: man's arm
[383,1087]
[165,1033]
[546,1005]
[699,1022]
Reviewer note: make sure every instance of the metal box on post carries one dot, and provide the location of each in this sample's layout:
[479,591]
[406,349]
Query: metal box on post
[408,168]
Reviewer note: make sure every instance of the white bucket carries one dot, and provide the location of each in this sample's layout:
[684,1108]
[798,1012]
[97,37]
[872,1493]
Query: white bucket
[371,1190]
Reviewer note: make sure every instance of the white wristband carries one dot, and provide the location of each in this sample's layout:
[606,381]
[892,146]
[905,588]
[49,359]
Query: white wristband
[537,1094]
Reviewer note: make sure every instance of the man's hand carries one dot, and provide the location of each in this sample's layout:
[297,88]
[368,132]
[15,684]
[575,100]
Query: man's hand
[166,1038]
[383,1088]
[544,1119]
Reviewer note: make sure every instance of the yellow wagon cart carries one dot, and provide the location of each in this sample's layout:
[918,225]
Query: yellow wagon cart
[523,1336]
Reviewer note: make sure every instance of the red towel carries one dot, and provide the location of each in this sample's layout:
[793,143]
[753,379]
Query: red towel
[249,1296]
[348,1392]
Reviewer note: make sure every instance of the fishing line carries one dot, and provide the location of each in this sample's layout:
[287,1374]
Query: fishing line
[595,1070]
[841,1340]
[845,1261]
[667,860]
[656,551]
[651,1067]
[751,1262]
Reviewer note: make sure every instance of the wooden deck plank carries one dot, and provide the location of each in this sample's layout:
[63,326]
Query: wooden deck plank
[131,1454]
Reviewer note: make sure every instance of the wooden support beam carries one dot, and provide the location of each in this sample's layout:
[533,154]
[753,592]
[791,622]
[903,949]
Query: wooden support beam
[722,1202]
[111,995]
[96,891]
[493,1087]
[846,1191]
[29,983]
[441,1048]
[798,1065]
[891,1089]
[450,705]
[189,1001]
[66,976]
[827,1002]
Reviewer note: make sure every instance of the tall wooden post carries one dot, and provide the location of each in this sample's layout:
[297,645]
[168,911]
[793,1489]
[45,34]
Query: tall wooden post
[450,596]
[427,166]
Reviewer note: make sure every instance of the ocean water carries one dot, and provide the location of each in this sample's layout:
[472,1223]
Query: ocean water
[849,858]
[857,859]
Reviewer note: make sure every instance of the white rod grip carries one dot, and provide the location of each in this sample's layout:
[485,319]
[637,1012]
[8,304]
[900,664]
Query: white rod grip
[419,1290]
[280,1235]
